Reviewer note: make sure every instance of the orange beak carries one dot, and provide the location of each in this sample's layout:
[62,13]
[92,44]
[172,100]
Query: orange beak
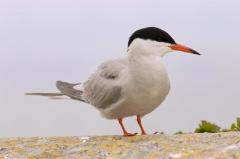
[179,47]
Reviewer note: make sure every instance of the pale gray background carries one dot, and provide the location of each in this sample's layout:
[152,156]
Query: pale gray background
[44,41]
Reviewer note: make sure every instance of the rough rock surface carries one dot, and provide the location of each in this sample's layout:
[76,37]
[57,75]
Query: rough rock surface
[209,146]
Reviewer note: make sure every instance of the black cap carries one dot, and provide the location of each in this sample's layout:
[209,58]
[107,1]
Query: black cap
[152,33]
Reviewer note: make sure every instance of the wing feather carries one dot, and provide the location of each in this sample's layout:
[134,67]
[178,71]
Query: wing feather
[102,89]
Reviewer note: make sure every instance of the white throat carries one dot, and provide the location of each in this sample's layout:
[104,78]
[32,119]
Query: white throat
[140,47]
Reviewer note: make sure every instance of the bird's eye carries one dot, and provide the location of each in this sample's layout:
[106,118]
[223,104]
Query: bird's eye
[159,39]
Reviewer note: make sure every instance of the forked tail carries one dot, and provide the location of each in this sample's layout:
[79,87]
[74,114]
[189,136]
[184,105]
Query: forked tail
[66,89]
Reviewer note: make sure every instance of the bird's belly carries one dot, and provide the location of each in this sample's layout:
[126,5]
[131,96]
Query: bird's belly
[142,99]
[149,99]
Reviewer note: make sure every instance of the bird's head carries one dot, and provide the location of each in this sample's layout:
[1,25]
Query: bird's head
[155,41]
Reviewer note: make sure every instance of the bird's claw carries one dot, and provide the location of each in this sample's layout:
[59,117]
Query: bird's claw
[129,134]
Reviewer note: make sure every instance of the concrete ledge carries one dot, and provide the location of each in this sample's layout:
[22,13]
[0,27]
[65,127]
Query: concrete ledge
[217,145]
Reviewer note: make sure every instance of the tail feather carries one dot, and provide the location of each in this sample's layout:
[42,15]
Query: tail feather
[69,90]
[45,94]
[50,95]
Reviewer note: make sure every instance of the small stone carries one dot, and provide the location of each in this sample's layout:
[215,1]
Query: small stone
[84,139]
[172,156]
[3,149]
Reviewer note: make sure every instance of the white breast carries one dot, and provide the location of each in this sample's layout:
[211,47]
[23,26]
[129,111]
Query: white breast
[150,85]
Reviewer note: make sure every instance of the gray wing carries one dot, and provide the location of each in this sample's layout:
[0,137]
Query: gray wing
[102,89]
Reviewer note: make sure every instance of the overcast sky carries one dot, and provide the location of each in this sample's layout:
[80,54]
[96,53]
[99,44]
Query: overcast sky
[45,41]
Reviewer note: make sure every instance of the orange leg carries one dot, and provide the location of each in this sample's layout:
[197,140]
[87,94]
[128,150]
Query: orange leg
[140,125]
[123,128]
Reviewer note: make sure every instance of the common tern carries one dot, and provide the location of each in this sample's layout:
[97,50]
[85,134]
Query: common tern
[131,86]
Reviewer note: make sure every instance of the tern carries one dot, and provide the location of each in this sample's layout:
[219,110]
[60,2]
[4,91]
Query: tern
[131,86]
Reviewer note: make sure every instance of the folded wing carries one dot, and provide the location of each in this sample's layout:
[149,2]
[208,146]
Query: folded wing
[103,88]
